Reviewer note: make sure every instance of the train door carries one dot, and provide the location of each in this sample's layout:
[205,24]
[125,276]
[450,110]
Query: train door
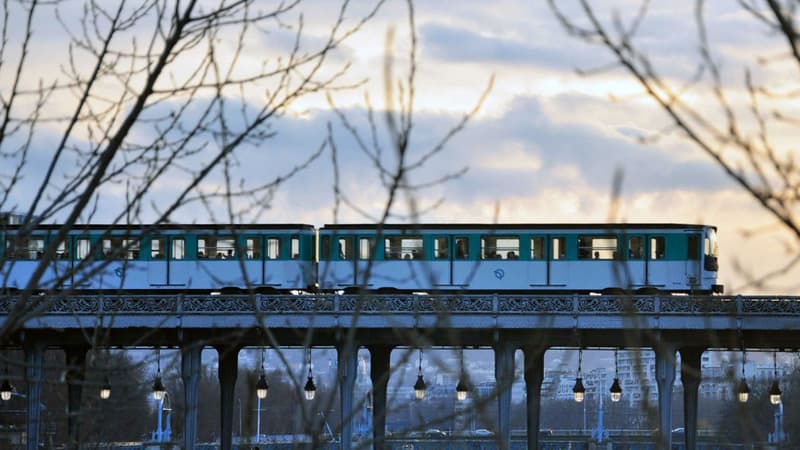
[272,261]
[179,268]
[345,272]
[537,267]
[656,267]
[442,261]
[157,267]
[83,251]
[168,265]
[557,263]
[463,264]
[365,261]
[693,260]
[64,264]
[254,265]
[636,263]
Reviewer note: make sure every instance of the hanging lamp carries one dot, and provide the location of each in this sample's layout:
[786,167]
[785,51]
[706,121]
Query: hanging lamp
[578,391]
[616,389]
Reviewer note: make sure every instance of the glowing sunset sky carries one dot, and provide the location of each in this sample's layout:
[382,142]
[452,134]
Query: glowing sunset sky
[543,147]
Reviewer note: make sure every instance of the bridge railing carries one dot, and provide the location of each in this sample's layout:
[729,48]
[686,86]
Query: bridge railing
[492,304]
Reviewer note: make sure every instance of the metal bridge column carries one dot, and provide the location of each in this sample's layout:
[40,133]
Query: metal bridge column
[665,376]
[33,377]
[534,375]
[190,372]
[379,373]
[347,354]
[76,373]
[690,378]
[228,369]
[504,377]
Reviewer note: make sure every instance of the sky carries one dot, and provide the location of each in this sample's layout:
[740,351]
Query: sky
[544,146]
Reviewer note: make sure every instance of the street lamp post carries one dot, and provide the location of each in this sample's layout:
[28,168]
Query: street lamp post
[164,431]
[239,401]
[262,388]
[258,420]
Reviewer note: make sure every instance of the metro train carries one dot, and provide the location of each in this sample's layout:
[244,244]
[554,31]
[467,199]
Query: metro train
[563,258]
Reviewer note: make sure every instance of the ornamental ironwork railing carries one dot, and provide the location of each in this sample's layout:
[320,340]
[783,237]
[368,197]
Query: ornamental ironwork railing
[483,304]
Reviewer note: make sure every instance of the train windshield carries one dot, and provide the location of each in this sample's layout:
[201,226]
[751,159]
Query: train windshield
[711,244]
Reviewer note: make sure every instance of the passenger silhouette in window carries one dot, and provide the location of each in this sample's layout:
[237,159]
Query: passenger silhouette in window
[461,248]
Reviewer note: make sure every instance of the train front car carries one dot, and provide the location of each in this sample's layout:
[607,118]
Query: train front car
[182,258]
[643,258]
[638,258]
[711,261]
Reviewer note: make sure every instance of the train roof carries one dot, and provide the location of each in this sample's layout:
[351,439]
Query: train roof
[518,226]
[173,227]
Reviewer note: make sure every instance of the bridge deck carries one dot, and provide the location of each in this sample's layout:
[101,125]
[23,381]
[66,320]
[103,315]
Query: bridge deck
[730,317]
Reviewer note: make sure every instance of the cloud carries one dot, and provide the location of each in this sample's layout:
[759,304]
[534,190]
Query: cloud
[469,45]
[592,151]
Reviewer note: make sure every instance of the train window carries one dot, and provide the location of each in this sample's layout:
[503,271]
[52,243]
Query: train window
[403,247]
[366,246]
[111,247]
[119,248]
[295,244]
[345,248]
[392,248]
[32,248]
[693,247]
[597,247]
[462,248]
[35,248]
[441,247]
[559,247]
[537,248]
[204,247]
[499,247]
[273,248]
[10,250]
[215,247]
[635,248]
[62,252]
[711,245]
[157,246]
[83,248]
[325,247]
[657,246]
[253,247]
[132,248]
[178,248]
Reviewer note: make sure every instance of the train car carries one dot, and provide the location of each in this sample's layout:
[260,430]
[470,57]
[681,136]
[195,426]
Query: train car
[603,258]
[164,258]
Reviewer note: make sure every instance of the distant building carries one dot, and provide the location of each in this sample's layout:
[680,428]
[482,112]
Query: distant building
[636,375]
[10,218]
[551,382]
